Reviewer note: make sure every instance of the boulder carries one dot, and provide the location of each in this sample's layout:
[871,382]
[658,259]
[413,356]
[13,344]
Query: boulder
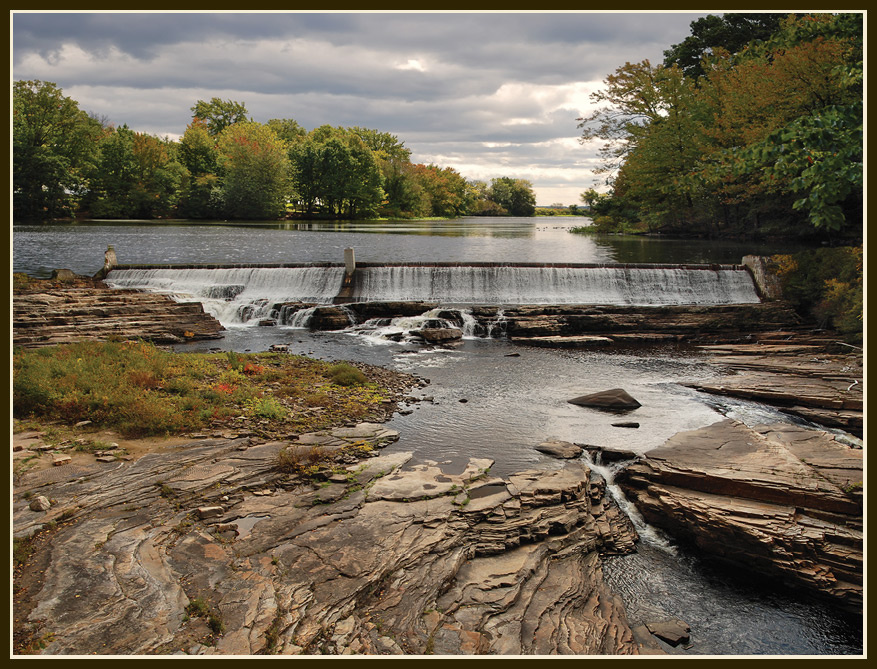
[440,335]
[673,631]
[63,275]
[560,449]
[40,503]
[616,399]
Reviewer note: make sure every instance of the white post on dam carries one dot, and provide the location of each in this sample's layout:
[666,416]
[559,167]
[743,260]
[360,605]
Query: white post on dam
[349,262]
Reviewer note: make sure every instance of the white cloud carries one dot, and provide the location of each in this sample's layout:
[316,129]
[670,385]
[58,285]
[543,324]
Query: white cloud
[412,64]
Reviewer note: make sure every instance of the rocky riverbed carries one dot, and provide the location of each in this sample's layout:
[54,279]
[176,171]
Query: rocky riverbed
[233,544]
[210,548]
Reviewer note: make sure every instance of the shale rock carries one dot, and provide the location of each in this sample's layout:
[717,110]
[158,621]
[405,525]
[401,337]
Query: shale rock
[560,449]
[616,399]
[395,558]
[440,335]
[779,500]
[89,310]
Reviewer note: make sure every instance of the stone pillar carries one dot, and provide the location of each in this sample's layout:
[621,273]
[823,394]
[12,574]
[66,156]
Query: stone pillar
[349,262]
[110,259]
[766,282]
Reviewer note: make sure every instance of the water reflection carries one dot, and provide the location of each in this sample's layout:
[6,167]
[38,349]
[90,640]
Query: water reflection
[38,249]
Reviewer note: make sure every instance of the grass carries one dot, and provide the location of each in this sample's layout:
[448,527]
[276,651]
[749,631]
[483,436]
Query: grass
[141,390]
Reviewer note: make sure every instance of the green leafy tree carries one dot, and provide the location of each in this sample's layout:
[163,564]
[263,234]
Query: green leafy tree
[254,169]
[514,195]
[201,191]
[287,129]
[816,150]
[114,176]
[730,32]
[335,172]
[54,144]
[218,114]
[136,176]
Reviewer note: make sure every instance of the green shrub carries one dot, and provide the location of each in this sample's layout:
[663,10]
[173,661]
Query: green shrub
[266,407]
[345,374]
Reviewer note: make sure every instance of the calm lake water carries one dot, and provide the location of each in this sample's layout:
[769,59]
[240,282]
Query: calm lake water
[515,395]
[38,249]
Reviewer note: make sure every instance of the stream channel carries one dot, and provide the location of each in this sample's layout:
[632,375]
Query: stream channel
[495,399]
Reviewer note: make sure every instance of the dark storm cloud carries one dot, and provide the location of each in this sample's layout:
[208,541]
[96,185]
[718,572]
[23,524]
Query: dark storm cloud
[476,91]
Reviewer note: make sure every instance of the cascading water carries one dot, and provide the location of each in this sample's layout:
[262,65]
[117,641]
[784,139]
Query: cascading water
[555,285]
[237,294]
[240,295]
[647,533]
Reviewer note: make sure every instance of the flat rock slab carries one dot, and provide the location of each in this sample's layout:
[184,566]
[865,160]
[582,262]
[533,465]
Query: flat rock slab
[560,449]
[780,500]
[672,631]
[427,480]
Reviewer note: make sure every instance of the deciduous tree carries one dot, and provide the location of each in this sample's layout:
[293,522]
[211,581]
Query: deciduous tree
[54,144]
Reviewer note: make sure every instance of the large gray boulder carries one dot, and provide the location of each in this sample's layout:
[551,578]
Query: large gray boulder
[440,335]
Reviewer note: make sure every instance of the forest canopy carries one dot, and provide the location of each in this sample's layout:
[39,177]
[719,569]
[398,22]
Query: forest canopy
[752,126]
[67,163]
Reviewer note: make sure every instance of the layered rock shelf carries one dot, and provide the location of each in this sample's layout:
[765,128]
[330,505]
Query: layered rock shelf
[816,378]
[578,325]
[776,501]
[209,549]
[88,310]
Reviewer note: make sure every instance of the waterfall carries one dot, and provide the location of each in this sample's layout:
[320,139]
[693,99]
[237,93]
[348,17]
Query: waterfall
[499,323]
[237,294]
[647,286]
[647,533]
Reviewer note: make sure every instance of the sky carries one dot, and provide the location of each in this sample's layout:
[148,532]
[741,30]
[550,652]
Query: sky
[490,94]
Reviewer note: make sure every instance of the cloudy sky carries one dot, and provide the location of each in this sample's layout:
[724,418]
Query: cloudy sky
[489,94]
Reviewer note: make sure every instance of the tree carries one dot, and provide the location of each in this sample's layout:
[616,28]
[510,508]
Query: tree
[446,191]
[514,195]
[729,32]
[254,168]
[816,152]
[53,146]
[334,169]
[218,114]
[201,192]
[287,129]
[136,176]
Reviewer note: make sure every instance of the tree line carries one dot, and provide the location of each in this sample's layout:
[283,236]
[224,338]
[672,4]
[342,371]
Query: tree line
[752,126]
[68,163]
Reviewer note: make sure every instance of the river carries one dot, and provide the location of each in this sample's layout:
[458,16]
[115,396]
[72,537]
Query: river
[491,398]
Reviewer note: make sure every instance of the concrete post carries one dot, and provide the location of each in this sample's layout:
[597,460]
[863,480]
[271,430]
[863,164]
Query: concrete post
[110,260]
[349,262]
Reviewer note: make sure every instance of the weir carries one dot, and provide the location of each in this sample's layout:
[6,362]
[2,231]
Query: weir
[239,293]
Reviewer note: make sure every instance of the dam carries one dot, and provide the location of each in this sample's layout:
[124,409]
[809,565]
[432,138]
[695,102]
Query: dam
[242,293]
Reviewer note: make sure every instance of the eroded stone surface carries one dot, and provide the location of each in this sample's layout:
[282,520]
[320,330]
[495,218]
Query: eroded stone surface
[389,558]
[779,500]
